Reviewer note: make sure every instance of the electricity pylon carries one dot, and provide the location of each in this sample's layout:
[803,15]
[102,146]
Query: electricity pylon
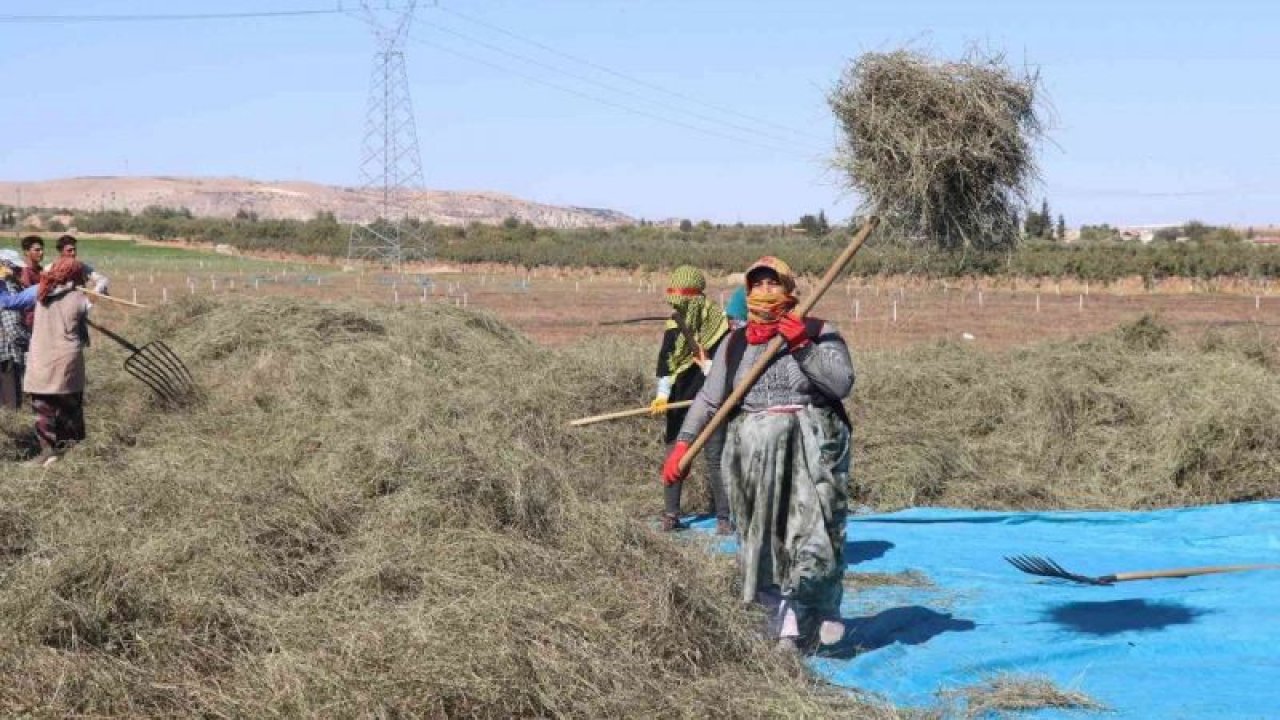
[390,163]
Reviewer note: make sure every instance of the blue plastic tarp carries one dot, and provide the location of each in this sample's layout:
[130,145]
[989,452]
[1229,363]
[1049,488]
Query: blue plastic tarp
[1201,647]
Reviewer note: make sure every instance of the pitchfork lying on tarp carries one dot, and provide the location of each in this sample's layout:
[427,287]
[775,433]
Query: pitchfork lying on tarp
[158,367]
[1047,568]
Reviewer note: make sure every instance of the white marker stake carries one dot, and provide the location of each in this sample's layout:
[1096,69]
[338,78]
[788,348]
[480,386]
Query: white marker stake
[164,294]
[1037,302]
[1082,303]
[135,296]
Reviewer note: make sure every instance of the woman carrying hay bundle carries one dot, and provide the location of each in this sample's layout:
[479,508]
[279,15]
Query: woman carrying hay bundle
[55,374]
[786,458]
[691,337]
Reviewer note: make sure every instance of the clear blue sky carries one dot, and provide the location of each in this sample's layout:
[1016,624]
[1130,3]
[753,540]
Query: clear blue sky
[1163,111]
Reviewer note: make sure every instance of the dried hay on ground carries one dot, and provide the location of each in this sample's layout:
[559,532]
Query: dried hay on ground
[943,150]
[379,512]
[1124,420]
[1008,695]
[376,513]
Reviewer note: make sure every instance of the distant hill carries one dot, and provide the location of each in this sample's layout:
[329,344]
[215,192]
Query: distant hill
[224,197]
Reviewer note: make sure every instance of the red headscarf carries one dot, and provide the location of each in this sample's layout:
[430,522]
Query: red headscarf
[63,271]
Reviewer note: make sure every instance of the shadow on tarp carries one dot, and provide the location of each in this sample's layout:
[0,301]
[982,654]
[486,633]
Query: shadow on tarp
[860,551]
[912,625]
[1118,616]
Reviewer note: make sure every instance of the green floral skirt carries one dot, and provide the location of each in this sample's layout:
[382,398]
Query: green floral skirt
[788,480]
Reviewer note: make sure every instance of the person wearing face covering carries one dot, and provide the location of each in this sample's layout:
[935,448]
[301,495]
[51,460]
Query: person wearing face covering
[55,372]
[690,339]
[786,458]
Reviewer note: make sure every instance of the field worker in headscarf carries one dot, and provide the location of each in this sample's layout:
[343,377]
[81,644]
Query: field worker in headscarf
[55,375]
[736,307]
[691,337]
[786,458]
[14,333]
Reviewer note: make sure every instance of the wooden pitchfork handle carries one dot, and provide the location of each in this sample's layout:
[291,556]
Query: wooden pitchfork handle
[1045,567]
[629,321]
[628,413]
[120,301]
[1184,572]
[119,339]
[735,398]
[699,353]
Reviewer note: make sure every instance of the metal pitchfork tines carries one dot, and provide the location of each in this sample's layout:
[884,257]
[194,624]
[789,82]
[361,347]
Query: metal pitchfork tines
[1045,567]
[1048,568]
[158,367]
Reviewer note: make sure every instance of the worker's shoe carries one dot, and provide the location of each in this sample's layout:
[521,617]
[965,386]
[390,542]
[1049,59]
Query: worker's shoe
[44,459]
[830,632]
[671,522]
[724,526]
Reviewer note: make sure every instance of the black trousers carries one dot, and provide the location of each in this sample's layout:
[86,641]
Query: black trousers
[686,387]
[11,384]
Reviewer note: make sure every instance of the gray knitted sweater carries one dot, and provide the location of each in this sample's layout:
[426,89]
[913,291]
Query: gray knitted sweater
[819,373]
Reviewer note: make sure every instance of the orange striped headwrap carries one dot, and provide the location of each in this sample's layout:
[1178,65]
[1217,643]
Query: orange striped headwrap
[65,270]
[767,307]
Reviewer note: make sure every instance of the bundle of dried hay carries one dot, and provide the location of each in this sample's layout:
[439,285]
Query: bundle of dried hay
[943,151]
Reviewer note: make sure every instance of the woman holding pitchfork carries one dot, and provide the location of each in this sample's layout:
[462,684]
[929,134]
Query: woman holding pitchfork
[692,335]
[786,458]
[55,373]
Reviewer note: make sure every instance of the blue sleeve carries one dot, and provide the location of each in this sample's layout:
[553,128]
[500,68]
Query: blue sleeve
[24,300]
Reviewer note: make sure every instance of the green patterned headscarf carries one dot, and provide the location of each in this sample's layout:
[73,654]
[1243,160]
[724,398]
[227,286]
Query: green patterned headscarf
[704,318]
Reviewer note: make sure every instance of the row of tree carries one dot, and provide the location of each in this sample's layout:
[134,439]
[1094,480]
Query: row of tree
[1040,225]
[809,246]
[725,248]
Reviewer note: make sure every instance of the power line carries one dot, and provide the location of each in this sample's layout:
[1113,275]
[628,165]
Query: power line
[165,17]
[340,10]
[617,74]
[603,101]
[607,87]
[596,98]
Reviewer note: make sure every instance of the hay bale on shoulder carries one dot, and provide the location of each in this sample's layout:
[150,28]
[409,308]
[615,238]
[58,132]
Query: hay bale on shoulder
[943,151]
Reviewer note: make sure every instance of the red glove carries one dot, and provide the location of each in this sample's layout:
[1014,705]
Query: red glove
[671,473]
[794,330]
